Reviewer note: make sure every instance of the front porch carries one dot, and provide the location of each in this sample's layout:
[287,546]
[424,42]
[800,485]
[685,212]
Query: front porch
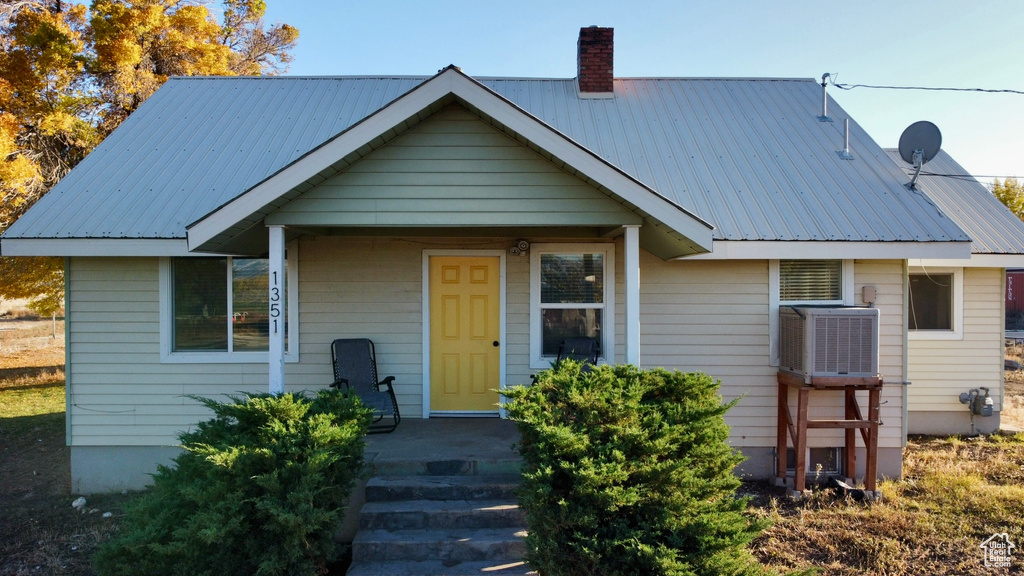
[445,447]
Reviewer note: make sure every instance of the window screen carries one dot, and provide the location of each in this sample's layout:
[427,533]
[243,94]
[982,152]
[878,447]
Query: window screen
[931,302]
[810,280]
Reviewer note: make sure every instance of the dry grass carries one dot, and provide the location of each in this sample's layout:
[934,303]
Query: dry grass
[1013,400]
[955,494]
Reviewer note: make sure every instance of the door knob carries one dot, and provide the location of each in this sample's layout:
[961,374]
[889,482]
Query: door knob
[496,343]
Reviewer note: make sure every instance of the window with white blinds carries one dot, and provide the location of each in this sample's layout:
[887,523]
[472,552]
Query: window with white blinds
[810,280]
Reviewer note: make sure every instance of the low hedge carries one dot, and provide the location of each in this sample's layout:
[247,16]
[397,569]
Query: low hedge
[629,472]
[259,490]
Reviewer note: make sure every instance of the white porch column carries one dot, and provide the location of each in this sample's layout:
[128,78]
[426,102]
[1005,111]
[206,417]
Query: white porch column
[277,317]
[632,273]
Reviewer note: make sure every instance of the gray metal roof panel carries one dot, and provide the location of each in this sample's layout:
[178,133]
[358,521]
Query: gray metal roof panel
[991,225]
[747,155]
[193,146]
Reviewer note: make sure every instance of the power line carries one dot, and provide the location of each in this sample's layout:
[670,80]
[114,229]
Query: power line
[967,177]
[930,88]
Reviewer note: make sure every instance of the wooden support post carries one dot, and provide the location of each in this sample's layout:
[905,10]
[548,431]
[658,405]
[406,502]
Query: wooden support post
[875,416]
[796,428]
[850,451]
[800,442]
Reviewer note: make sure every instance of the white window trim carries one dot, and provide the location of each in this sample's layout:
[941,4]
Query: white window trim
[957,333]
[537,360]
[774,301]
[169,356]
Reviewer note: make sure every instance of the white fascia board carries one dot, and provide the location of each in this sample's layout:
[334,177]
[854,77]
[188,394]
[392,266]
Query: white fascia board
[93,247]
[976,261]
[768,250]
[407,106]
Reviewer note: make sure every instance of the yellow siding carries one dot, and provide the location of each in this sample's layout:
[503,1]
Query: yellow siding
[887,278]
[362,288]
[713,316]
[453,170]
[941,369]
[709,315]
[120,393]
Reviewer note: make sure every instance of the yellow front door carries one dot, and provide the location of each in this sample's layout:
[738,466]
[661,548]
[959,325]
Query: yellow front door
[464,332]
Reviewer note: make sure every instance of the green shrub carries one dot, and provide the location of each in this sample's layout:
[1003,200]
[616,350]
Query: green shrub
[629,472]
[259,490]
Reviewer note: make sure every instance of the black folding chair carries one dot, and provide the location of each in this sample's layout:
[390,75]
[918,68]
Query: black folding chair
[355,367]
[582,350]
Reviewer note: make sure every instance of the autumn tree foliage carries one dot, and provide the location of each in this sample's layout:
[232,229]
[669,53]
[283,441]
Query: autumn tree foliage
[70,74]
[1010,193]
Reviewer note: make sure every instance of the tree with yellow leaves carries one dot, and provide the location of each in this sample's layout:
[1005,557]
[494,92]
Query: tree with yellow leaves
[70,74]
[1010,193]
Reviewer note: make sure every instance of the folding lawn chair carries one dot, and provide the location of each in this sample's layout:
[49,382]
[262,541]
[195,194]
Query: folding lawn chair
[355,367]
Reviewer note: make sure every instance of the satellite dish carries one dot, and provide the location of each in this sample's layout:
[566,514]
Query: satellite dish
[923,136]
[919,143]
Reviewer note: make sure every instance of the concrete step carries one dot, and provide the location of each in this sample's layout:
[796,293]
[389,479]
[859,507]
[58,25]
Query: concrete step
[432,514]
[392,488]
[410,466]
[440,568]
[452,545]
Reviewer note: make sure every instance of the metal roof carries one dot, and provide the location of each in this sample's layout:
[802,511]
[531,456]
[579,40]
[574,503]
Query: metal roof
[992,227]
[750,156]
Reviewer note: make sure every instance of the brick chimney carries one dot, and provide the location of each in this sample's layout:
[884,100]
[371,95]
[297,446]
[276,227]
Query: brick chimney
[594,52]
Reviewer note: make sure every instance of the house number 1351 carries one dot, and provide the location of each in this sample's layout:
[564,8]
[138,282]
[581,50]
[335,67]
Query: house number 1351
[275,303]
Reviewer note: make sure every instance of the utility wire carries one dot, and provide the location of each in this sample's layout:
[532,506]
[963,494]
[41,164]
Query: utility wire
[931,88]
[965,176]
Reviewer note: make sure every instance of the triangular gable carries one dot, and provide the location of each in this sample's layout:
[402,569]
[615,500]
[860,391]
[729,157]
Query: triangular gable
[450,170]
[248,210]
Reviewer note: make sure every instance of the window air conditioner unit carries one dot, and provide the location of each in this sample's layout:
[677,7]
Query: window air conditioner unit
[829,341]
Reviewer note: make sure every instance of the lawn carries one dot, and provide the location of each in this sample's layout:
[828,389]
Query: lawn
[956,492]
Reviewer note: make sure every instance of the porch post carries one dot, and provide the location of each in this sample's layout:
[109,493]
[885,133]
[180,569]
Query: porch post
[276,313]
[632,273]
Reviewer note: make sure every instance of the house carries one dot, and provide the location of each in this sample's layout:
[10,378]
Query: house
[956,308]
[231,228]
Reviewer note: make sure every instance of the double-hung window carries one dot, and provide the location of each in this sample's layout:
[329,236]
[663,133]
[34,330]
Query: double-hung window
[934,303]
[572,296]
[218,309]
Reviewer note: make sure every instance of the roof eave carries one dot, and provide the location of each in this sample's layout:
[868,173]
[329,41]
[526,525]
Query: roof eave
[94,247]
[814,250]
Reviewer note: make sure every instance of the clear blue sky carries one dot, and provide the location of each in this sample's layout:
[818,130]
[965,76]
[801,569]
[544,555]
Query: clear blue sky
[945,43]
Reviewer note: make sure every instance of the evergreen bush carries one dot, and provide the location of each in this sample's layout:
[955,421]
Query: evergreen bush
[260,489]
[630,472]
